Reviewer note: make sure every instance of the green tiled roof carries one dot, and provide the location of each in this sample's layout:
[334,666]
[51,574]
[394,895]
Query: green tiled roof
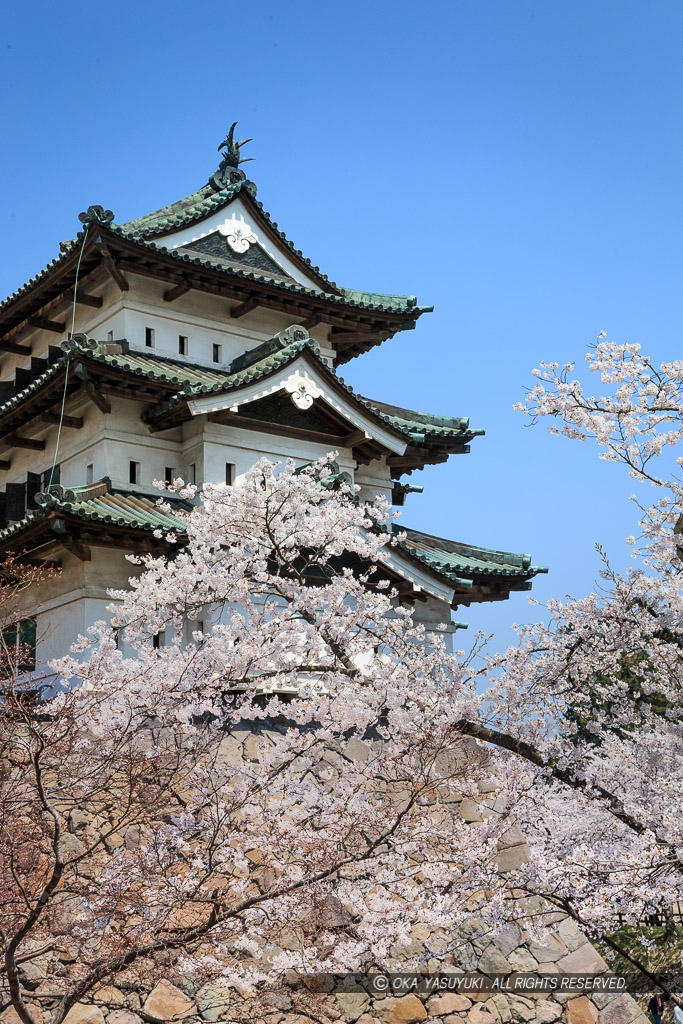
[147,232]
[95,504]
[67,249]
[378,299]
[372,301]
[229,381]
[459,564]
[184,211]
[203,203]
[188,380]
[164,371]
[178,382]
[410,425]
[207,200]
[451,558]
[427,423]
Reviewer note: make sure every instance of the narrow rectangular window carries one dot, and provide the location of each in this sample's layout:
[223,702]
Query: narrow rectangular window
[19,645]
[229,473]
[133,472]
[182,345]
[27,645]
[217,353]
[156,641]
[51,477]
[149,337]
[32,489]
[89,473]
[169,475]
[192,473]
[200,626]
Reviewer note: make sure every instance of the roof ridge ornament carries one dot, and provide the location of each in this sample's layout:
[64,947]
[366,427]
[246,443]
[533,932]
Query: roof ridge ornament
[84,343]
[228,172]
[96,215]
[291,334]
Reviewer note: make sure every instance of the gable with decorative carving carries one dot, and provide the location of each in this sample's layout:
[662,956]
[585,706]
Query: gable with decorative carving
[248,252]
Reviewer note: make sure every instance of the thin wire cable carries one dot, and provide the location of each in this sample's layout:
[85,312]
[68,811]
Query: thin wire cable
[68,359]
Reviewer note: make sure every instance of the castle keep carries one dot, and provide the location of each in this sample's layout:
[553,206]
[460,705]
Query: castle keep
[202,340]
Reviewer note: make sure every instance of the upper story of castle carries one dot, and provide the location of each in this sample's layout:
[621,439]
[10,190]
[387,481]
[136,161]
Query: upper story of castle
[190,342]
[213,264]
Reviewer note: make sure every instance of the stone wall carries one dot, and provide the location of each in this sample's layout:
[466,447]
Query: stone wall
[130,998]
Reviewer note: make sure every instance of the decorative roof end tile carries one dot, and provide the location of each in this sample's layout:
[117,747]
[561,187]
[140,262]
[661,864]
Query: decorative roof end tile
[96,215]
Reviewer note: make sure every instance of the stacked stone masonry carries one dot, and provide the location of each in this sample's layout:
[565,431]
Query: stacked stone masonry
[129,999]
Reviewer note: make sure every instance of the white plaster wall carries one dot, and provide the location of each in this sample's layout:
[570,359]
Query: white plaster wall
[432,613]
[243,448]
[202,323]
[374,479]
[204,319]
[76,598]
[109,442]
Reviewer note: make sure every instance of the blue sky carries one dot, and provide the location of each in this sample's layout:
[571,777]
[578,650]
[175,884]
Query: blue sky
[517,163]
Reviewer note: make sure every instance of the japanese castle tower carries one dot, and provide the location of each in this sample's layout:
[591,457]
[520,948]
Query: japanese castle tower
[203,340]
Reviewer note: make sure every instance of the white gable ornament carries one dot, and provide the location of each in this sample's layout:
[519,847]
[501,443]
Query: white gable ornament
[238,234]
[303,390]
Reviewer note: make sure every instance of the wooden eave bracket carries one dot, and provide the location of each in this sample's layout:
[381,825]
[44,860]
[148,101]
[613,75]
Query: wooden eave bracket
[312,321]
[110,263]
[83,299]
[342,339]
[95,396]
[355,438]
[14,348]
[54,419]
[58,326]
[24,442]
[81,551]
[244,307]
[180,289]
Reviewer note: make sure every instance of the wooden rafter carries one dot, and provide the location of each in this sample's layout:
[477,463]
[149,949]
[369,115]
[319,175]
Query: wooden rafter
[312,321]
[110,263]
[67,421]
[174,293]
[24,442]
[11,346]
[354,438]
[416,459]
[244,307]
[96,397]
[91,391]
[45,324]
[232,419]
[342,339]
[154,264]
[84,299]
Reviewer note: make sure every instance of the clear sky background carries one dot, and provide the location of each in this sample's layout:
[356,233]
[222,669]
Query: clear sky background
[517,163]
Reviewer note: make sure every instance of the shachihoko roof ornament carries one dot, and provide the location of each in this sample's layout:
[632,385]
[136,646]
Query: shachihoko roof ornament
[228,172]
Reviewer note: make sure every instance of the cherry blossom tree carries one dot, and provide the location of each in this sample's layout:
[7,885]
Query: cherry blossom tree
[276,790]
[279,787]
[611,661]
